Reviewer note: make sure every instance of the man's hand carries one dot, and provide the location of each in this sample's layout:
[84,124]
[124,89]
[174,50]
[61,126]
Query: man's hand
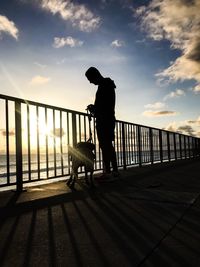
[91,109]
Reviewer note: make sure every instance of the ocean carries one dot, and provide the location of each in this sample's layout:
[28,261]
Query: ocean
[132,158]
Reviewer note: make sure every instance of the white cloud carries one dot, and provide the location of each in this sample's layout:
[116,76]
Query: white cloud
[41,66]
[195,122]
[196,89]
[7,26]
[175,94]
[182,127]
[117,43]
[69,41]
[177,21]
[39,80]
[161,113]
[156,105]
[78,14]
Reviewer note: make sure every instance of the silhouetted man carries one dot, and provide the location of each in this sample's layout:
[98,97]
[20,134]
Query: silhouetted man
[104,112]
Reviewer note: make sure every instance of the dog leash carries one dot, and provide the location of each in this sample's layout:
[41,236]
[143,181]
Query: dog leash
[90,130]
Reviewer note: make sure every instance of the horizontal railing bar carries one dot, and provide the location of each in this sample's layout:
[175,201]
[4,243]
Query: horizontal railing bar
[30,102]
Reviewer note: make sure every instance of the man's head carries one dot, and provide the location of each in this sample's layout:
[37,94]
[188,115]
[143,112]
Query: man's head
[93,75]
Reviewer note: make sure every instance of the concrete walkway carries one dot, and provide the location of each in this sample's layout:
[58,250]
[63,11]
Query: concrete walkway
[148,217]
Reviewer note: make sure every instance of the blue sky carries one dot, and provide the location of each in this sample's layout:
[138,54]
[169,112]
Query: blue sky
[151,49]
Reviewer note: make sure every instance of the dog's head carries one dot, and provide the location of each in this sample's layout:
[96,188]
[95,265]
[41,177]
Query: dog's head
[83,151]
[85,146]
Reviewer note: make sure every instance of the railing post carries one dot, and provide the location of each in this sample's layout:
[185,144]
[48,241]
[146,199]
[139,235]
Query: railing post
[124,146]
[180,145]
[168,147]
[189,154]
[139,145]
[185,147]
[18,142]
[74,130]
[194,147]
[151,144]
[160,145]
[175,153]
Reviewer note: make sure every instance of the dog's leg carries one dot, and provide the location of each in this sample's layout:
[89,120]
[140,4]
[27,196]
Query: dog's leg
[69,180]
[91,179]
[75,177]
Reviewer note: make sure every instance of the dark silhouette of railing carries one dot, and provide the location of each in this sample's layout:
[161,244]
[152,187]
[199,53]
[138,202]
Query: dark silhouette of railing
[41,134]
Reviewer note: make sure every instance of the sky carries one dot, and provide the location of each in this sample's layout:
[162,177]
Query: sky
[151,49]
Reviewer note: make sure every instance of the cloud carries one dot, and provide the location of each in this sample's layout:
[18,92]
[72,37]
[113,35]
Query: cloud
[66,41]
[10,133]
[175,94]
[181,127]
[196,89]
[156,105]
[58,132]
[161,113]
[41,66]
[117,43]
[78,14]
[187,129]
[7,26]
[178,22]
[196,122]
[39,80]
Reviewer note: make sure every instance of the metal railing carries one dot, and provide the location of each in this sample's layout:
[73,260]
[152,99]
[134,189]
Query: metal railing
[34,141]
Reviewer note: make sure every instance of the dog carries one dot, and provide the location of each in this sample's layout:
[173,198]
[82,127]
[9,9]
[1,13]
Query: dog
[82,155]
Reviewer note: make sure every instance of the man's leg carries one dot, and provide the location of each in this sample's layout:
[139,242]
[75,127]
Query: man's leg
[114,159]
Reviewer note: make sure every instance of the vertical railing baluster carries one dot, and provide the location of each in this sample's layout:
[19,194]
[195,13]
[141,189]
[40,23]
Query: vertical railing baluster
[168,147]
[7,143]
[38,142]
[139,145]
[47,144]
[189,155]
[135,143]
[61,143]
[79,125]
[123,146]
[116,141]
[128,144]
[85,133]
[160,145]
[54,144]
[74,129]
[151,144]
[131,144]
[68,142]
[185,149]
[18,143]
[180,145]
[175,152]
[196,147]
[29,143]
[193,146]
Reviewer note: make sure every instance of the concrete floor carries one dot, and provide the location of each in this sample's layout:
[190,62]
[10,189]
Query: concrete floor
[148,217]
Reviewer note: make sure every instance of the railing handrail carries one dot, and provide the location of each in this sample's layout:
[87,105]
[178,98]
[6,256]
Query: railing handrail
[30,102]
